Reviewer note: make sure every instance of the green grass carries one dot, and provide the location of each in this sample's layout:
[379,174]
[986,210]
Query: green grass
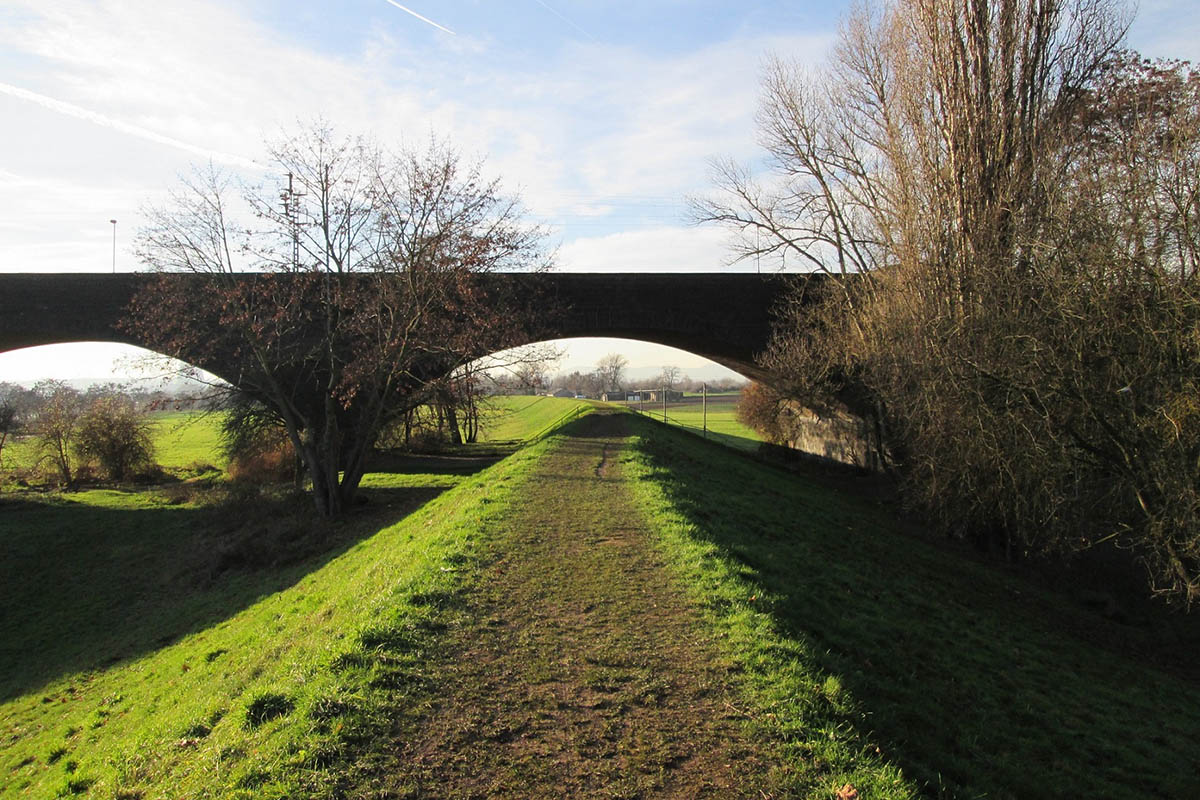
[868,651]
[20,453]
[523,418]
[182,440]
[185,438]
[722,422]
[154,645]
[138,663]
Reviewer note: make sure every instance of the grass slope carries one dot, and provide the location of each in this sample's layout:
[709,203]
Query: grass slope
[887,662]
[268,682]
[522,418]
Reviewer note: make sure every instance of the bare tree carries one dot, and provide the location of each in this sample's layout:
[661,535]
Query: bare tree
[363,288]
[531,377]
[55,422]
[8,424]
[611,369]
[1018,205]
[669,377]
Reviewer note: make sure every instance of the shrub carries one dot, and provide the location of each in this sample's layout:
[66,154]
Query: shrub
[264,466]
[256,444]
[114,433]
[759,409]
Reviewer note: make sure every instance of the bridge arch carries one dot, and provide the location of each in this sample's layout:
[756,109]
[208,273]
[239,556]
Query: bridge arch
[724,317]
[582,355]
[98,361]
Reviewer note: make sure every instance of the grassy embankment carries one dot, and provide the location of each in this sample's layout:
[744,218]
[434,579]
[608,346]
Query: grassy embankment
[150,647]
[518,419]
[864,645]
[861,652]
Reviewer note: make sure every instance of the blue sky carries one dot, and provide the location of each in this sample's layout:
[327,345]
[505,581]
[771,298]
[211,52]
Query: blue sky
[602,115]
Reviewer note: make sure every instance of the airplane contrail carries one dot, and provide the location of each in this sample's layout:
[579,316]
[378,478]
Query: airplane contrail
[423,19]
[79,112]
[564,19]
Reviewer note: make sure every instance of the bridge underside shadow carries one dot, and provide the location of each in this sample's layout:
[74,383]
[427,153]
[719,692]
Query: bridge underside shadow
[722,317]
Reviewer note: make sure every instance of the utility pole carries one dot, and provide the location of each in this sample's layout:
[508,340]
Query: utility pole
[114,254]
[291,212]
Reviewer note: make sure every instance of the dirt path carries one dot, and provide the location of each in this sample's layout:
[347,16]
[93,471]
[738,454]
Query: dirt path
[579,670]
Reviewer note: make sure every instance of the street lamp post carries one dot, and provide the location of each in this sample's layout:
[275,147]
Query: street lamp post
[114,224]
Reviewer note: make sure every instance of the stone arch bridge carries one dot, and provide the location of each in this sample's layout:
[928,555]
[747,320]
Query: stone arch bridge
[722,316]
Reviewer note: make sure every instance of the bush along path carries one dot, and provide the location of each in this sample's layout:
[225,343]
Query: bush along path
[572,665]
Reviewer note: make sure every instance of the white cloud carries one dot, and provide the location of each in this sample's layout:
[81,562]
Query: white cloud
[89,115]
[664,249]
[598,138]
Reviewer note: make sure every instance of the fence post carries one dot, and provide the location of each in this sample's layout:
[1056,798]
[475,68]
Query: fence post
[704,406]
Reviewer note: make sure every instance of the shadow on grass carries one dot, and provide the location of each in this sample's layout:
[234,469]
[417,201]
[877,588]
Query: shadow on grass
[692,424]
[975,682]
[90,581]
[462,460]
[730,440]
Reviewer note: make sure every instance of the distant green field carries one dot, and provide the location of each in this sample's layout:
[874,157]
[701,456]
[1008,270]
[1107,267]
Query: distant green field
[182,439]
[723,425]
[523,418]
[187,439]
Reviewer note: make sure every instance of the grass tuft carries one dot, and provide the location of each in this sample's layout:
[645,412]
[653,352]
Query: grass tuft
[266,706]
[75,786]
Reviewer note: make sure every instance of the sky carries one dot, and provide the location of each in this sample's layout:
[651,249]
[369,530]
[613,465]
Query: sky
[602,116]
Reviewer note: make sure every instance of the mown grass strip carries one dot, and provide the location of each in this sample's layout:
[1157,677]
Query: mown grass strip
[876,659]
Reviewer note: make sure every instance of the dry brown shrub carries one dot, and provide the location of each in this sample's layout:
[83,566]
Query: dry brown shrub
[273,465]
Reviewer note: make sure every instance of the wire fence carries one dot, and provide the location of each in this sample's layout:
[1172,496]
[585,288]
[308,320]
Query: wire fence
[711,416]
